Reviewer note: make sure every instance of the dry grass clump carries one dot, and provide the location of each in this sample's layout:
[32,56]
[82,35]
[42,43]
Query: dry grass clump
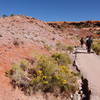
[96,47]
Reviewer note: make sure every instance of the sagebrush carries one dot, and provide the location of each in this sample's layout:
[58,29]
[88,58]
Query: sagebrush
[49,73]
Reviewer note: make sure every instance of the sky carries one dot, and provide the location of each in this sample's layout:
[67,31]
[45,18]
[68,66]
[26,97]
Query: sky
[53,10]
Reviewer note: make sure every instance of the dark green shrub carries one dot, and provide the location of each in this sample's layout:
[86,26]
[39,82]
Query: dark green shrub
[4,15]
[12,15]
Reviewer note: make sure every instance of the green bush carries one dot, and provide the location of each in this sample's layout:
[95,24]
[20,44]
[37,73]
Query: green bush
[4,15]
[49,73]
[12,15]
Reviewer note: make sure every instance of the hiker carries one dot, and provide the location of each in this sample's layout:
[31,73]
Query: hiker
[81,42]
[87,37]
[89,42]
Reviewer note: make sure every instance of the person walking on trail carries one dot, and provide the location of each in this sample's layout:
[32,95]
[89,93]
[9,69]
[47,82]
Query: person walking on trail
[89,42]
[87,37]
[81,42]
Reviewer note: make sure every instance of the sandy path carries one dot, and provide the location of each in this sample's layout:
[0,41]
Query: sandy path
[89,64]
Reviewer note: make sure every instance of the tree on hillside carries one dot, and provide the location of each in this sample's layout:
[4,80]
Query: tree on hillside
[12,15]
[4,15]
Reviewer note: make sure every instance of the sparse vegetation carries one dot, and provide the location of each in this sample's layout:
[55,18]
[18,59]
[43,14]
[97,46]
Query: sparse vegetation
[65,48]
[61,47]
[48,47]
[1,35]
[62,58]
[16,43]
[96,47]
[48,74]
[70,48]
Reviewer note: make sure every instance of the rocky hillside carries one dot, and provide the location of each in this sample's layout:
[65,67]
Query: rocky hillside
[82,28]
[22,33]
[21,37]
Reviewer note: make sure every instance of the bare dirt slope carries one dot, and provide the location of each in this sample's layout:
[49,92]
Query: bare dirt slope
[89,64]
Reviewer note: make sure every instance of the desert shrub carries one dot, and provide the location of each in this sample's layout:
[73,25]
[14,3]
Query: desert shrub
[49,73]
[12,15]
[15,43]
[48,47]
[96,48]
[62,58]
[70,48]
[61,47]
[19,75]
[1,35]
[47,64]
[4,15]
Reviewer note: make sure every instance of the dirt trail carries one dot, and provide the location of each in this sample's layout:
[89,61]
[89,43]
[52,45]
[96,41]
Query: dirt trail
[89,65]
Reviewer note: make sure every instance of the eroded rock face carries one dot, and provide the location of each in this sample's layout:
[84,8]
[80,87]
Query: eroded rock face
[82,28]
